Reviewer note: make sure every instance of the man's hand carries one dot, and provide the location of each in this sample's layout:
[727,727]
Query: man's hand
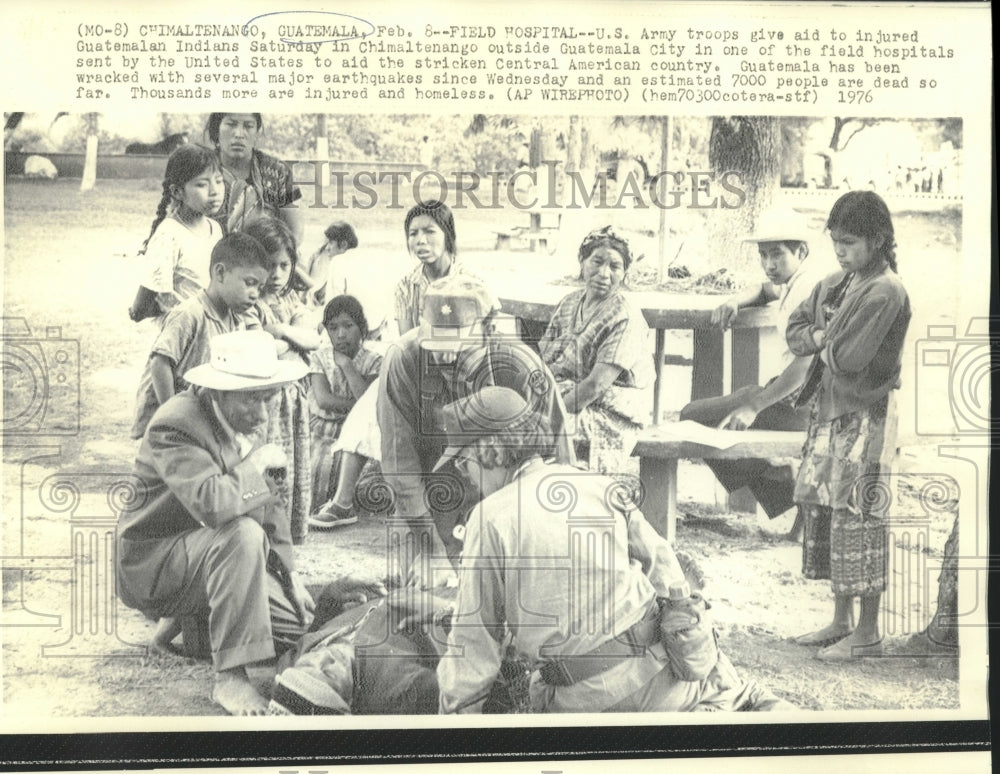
[301,600]
[424,576]
[270,455]
[413,608]
[739,418]
[724,315]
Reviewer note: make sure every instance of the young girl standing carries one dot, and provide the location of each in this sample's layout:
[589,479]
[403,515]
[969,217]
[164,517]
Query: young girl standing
[853,324]
[178,249]
[342,369]
[283,315]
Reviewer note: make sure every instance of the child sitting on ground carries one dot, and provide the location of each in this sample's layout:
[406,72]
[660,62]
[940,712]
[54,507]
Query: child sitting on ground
[238,272]
[340,372]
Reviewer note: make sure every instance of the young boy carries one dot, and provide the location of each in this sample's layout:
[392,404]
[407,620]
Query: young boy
[238,271]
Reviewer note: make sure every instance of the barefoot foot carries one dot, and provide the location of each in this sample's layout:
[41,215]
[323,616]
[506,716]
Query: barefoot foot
[850,648]
[234,691]
[166,632]
[825,636]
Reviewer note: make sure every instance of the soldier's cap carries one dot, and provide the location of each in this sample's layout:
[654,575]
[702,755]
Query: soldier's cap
[454,306]
[481,414]
[779,224]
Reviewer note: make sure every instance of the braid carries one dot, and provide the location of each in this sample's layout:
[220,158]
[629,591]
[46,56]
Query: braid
[890,257]
[161,214]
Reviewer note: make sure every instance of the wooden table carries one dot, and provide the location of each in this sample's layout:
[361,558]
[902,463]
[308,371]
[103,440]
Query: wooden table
[723,360]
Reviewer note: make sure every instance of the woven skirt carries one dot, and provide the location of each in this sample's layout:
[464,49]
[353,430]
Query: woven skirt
[842,490]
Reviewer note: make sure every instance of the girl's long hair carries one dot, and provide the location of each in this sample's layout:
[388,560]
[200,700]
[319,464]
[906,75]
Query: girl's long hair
[865,214]
[274,236]
[349,305]
[184,165]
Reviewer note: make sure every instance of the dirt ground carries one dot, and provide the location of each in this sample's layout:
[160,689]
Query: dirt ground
[69,652]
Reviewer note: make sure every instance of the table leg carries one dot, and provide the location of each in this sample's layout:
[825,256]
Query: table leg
[746,357]
[708,371]
[746,370]
[659,505]
[658,372]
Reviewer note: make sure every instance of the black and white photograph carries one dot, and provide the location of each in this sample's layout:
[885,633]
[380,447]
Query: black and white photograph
[594,370]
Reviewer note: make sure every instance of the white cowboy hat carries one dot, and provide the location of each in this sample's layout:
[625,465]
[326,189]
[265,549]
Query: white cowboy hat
[779,224]
[244,360]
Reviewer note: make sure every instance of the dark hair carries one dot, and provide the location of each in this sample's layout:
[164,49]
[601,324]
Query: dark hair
[865,214]
[215,121]
[439,212]
[605,237]
[240,250]
[792,245]
[350,306]
[184,165]
[527,437]
[274,236]
[341,231]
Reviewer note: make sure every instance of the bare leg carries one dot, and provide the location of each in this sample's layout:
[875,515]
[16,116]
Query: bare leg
[351,465]
[864,641]
[166,632]
[234,691]
[841,626]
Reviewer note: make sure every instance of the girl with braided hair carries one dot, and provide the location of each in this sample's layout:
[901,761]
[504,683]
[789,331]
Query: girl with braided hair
[178,250]
[853,325]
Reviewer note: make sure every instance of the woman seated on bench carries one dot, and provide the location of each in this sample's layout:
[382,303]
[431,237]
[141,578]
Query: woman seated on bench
[596,345]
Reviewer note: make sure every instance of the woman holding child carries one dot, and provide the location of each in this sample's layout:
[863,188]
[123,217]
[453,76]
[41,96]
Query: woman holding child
[596,347]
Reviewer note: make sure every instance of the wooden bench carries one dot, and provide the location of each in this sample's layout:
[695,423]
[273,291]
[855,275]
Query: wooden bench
[658,452]
[542,232]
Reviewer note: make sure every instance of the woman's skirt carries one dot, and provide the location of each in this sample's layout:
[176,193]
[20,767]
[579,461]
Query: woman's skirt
[605,439]
[288,426]
[324,480]
[843,491]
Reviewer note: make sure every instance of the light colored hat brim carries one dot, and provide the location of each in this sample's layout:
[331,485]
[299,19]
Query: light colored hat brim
[776,236]
[208,376]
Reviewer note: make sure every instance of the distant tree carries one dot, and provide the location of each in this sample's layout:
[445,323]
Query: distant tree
[89,178]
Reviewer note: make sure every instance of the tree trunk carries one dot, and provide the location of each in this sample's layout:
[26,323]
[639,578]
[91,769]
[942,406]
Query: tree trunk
[666,126]
[943,628]
[749,146]
[573,145]
[323,149]
[90,154]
